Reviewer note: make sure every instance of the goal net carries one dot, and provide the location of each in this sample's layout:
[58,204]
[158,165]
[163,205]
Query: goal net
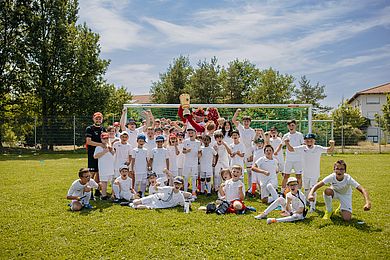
[263,116]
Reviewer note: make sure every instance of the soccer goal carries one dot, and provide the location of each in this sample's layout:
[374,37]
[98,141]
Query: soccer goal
[263,115]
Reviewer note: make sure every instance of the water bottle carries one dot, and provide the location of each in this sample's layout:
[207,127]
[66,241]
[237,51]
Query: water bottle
[186,206]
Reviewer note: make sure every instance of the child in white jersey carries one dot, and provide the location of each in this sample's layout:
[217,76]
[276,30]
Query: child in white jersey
[173,153]
[139,165]
[180,157]
[123,152]
[159,159]
[226,175]
[123,186]
[191,149]
[258,152]
[267,168]
[105,158]
[293,206]
[80,191]
[340,189]
[223,151]
[207,159]
[234,190]
[311,156]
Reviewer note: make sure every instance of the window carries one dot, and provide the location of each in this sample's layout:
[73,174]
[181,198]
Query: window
[373,100]
[373,139]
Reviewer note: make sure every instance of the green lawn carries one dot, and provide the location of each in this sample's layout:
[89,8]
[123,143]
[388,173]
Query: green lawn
[36,222]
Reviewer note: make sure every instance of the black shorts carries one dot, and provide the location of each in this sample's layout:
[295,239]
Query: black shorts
[93,164]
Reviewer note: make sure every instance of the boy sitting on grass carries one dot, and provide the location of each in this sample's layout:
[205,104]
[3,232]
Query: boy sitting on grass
[340,189]
[293,206]
[233,191]
[80,191]
[123,186]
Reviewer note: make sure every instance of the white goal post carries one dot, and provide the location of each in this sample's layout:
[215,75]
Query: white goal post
[308,106]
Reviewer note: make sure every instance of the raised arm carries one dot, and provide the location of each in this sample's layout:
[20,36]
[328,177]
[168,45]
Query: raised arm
[123,119]
[288,145]
[331,146]
[234,119]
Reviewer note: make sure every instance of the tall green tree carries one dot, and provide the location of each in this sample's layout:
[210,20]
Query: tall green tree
[172,83]
[384,119]
[311,94]
[204,86]
[272,88]
[237,80]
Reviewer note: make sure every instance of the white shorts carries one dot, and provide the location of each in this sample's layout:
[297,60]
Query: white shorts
[256,177]
[297,166]
[106,177]
[190,171]
[206,174]
[309,183]
[180,171]
[263,188]
[345,201]
[116,173]
[220,166]
[140,178]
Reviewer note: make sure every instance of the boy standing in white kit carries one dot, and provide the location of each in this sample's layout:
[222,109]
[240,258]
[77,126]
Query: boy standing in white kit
[139,165]
[238,150]
[105,158]
[207,158]
[123,152]
[191,149]
[159,158]
[293,160]
[311,154]
[247,135]
[223,150]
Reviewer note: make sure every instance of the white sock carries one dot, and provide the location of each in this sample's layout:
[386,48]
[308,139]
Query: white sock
[193,182]
[328,202]
[208,186]
[143,187]
[273,192]
[185,183]
[249,178]
[203,183]
[275,204]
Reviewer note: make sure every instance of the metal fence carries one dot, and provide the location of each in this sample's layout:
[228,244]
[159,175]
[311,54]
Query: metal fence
[68,133]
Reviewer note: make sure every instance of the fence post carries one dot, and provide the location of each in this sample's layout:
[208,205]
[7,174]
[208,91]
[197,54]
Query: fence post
[74,133]
[380,134]
[342,132]
[35,133]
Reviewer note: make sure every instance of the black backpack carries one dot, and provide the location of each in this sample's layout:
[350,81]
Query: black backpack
[222,208]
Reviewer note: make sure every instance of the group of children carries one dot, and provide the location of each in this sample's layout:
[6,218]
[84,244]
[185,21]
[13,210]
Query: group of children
[211,156]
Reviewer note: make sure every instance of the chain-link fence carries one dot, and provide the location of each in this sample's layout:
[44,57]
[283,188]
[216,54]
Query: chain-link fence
[68,133]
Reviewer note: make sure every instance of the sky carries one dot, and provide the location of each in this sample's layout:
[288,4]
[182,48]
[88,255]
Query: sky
[344,45]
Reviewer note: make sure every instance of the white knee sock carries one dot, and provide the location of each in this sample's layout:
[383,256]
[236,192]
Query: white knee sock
[143,187]
[185,183]
[328,202]
[273,192]
[193,183]
[275,204]
[249,179]
[208,186]
[202,186]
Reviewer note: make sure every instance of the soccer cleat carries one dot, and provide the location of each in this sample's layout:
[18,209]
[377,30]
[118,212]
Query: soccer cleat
[250,208]
[88,206]
[278,208]
[271,220]
[337,211]
[131,205]
[116,201]
[327,215]
[261,216]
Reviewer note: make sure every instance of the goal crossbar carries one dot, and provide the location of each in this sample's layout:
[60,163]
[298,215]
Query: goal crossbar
[308,106]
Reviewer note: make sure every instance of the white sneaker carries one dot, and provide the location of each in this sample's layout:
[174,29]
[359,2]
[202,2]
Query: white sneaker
[131,205]
[261,216]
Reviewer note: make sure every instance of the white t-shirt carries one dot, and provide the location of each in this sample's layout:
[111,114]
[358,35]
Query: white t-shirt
[343,187]
[122,152]
[165,198]
[172,157]
[311,159]
[180,157]
[140,160]
[223,156]
[149,145]
[133,135]
[268,165]
[206,160]
[232,189]
[257,153]
[105,163]
[246,136]
[160,156]
[275,142]
[77,189]
[296,203]
[191,158]
[125,184]
[238,159]
[296,139]
[227,138]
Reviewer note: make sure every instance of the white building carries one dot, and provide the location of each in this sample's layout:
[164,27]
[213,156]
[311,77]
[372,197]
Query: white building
[370,102]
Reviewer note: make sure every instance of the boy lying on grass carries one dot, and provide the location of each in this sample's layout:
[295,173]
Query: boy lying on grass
[341,190]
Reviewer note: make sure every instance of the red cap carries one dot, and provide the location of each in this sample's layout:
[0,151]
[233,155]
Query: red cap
[172,135]
[98,114]
[104,135]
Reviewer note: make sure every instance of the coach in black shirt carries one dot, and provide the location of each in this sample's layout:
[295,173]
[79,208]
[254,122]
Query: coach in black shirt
[92,139]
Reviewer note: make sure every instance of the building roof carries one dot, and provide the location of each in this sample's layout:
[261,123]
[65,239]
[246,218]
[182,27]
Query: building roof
[142,99]
[381,89]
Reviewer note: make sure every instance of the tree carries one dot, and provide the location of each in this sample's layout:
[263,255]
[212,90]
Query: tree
[272,88]
[384,119]
[116,100]
[237,80]
[349,124]
[308,94]
[204,86]
[172,83]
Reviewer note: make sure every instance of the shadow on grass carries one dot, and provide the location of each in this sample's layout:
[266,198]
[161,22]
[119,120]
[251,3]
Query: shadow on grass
[99,205]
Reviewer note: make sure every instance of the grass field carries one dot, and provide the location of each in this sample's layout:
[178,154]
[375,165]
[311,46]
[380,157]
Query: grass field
[36,222]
